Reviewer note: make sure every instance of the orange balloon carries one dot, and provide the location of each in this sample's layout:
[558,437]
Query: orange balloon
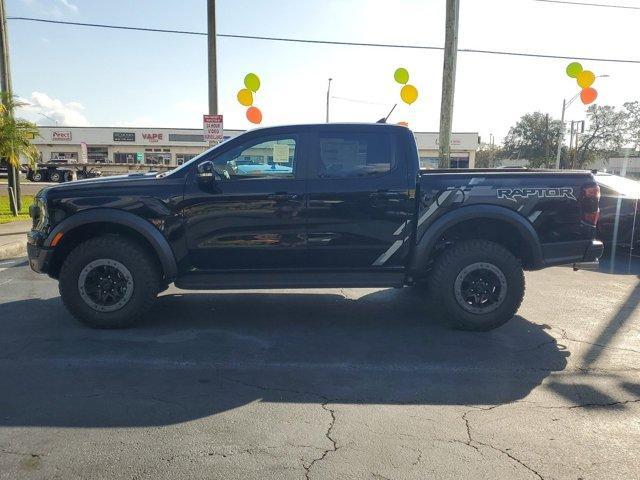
[588,95]
[254,115]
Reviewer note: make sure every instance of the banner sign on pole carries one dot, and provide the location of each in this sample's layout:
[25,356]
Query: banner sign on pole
[212,126]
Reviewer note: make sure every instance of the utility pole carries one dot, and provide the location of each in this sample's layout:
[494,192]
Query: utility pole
[213,67]
[547,146]
[570,156]
[5,85]
[328,96]
[448,81]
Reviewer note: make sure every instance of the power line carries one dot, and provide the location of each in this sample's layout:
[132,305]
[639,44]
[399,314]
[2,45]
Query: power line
[585,4]
[102,25]
[333,42]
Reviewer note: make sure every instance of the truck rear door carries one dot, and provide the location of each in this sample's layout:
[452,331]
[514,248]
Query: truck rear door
[359,201]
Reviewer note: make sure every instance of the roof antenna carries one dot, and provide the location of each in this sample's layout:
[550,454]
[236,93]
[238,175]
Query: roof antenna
[384,119]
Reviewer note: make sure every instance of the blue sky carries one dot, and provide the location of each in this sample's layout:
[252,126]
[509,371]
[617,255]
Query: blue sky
[101,77]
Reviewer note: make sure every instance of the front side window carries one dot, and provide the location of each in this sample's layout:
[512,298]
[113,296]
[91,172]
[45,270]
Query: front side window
[273,158]
[354,155]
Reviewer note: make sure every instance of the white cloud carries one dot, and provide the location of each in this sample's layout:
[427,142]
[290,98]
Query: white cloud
[42,106]
[69,5]
[52,8]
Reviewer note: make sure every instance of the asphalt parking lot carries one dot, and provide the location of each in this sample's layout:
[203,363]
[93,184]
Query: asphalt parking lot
[318,384]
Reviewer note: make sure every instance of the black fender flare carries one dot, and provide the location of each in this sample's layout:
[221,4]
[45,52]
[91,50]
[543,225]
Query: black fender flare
[109,215]
[424,245]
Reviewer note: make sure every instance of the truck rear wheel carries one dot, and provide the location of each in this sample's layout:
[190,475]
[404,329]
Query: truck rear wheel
[55,176]
[37,177]
[109,282]
[477,285]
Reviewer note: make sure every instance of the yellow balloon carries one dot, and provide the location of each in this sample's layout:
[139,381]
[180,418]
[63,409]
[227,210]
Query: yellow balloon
[409,94]
[245,97]
[585,78]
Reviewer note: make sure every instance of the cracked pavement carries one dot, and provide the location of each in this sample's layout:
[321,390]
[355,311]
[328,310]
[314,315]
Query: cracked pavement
[315,384]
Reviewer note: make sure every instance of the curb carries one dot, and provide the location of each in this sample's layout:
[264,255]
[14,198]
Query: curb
[13,250]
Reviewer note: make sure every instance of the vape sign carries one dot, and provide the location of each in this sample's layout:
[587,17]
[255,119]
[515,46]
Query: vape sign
[152,137]
[212,126]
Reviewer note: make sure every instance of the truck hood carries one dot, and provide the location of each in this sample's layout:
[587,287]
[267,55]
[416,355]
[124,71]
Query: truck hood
[132,180]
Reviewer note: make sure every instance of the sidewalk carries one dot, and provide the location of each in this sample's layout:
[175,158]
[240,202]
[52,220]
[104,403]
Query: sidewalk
[13,239]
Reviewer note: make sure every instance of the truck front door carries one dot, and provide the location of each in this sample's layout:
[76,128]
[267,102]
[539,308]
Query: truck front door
[359,203]
[250,217]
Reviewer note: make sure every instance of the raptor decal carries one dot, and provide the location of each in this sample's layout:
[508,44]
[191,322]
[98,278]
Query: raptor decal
[514,194]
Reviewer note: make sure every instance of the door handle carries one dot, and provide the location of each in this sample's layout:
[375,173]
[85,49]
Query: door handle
[384,194]
[282,196]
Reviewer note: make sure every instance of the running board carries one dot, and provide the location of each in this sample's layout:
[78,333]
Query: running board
[274,280]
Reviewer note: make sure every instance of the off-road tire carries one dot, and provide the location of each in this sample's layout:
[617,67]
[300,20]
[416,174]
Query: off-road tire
[144,272]
[463,254]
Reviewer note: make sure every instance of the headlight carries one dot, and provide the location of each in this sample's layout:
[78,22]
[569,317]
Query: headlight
[38,213]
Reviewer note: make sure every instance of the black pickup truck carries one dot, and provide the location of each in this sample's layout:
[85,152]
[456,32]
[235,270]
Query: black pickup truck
[332,205]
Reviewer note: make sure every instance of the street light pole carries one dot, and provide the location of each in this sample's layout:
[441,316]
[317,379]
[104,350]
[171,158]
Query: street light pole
[328,96]
[561,134]
[47,116]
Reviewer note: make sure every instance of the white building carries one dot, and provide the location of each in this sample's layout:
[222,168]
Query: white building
[174,146]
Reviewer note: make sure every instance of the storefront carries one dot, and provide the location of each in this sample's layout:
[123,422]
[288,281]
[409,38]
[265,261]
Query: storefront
[174,146]
[463,149]
[103,145]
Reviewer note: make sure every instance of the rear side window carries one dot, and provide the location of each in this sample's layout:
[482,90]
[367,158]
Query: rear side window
[355,155]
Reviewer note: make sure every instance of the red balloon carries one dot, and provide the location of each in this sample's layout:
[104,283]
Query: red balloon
[588,95]
[254,115]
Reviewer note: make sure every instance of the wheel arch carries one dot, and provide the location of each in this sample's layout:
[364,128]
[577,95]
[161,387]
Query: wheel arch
[94,222]
[490,222]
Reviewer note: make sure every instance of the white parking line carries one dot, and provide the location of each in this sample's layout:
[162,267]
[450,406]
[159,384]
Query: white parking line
[6,281]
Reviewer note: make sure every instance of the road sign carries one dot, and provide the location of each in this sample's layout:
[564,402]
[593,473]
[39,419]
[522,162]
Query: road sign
[212,126]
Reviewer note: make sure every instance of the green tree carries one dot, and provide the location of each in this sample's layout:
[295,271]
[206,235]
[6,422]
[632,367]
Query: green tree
[488,156]
[15,143]
[605,136]
[534,138]
[632,111]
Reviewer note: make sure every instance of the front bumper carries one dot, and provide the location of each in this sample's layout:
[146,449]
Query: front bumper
[40,257]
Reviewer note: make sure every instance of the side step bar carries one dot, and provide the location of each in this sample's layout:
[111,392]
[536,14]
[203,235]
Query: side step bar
[271,280]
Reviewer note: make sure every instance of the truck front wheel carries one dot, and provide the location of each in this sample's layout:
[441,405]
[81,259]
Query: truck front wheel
[477,284]
[109,282]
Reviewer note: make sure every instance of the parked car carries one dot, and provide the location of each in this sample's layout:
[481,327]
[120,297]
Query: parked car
[352,209]
[618,222]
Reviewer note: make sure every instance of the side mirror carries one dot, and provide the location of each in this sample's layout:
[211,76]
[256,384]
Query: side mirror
[205,172]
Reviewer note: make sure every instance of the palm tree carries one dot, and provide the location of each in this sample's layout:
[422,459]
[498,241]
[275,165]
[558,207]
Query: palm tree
[15,143]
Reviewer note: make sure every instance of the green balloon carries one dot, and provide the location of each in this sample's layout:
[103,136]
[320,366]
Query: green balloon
[252,82]
[573,69]
[401,75]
